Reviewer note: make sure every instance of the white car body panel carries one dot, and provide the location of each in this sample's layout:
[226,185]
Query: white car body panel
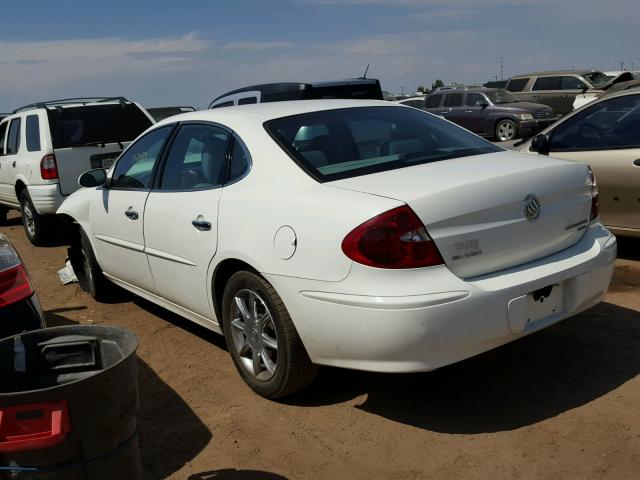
[347,314]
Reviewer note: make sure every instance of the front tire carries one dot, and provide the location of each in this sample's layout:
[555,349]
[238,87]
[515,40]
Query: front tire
[36,226]
[506,130]
[88,271]
[261,338]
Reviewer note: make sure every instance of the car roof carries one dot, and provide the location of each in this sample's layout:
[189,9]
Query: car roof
[263,112]
[467,89]
[551,73]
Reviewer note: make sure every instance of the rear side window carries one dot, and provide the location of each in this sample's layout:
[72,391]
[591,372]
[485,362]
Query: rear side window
[13,139]
[548,83]
[3,131]
[364,140]
[433,101]
[239,162]
[96,124]
[517,84]
[33,133]
[572,83]
[247,100]
[453,100]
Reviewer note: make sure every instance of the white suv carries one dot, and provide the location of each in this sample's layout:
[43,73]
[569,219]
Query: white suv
[45,146]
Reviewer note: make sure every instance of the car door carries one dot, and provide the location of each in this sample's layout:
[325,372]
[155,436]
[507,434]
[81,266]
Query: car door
[547,90]
[116,213]
[606,136]
[572,86]
[474,112]
[453,109]
[181,216]
[432,104]
[9,161]
[3,180]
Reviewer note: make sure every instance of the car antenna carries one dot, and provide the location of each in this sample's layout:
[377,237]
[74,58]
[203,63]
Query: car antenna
[364,77]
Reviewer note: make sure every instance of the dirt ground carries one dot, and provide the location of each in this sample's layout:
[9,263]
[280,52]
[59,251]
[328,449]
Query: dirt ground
[563,403]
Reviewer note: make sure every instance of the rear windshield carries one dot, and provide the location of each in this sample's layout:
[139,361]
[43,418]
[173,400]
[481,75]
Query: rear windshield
[96,124]
[336,144]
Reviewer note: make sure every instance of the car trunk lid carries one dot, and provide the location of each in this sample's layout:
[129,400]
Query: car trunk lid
[74,161]
[473,207]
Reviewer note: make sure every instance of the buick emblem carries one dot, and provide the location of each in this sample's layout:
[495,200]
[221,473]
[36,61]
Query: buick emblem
[531,208]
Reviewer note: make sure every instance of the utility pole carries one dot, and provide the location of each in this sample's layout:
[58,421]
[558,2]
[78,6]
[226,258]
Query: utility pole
[501,69]
[622,66]
[402,90]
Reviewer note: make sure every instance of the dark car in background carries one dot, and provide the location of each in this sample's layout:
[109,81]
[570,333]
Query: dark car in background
[19,306]
[490,112]
[557,89]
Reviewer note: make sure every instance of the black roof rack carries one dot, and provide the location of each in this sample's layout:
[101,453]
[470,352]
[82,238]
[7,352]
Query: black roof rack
[64,101]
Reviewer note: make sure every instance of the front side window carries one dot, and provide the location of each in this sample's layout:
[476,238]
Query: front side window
[364,140]
[476,100]
[13,139]
[573,83]
[499,97]
[33,133]
[134,169]
[548,83]
[433,101]
[610,124]
[197,159]
[517,84]
[453,100]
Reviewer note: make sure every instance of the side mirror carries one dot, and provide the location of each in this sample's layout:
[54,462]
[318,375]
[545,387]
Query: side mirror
[540,144]
[93,178]
[483,105]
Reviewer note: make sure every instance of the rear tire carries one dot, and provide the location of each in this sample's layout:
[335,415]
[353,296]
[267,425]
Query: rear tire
[36,226]
[88,271]
[263,342]
[506,130]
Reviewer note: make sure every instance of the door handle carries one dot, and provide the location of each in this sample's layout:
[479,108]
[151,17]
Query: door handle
[132,214]
[13,164]
[201,224]
[636,162]
[468,111]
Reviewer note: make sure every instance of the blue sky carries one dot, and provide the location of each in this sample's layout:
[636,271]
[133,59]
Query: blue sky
[190,51]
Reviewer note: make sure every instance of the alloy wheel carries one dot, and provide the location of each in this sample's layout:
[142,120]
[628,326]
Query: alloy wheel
[29,221]
[254,335]
[506,131]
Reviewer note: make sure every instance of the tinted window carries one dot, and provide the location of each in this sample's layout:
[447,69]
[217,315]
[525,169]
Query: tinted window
[3,131]
[224,104]
[548,83]
[453,100]
[109,123]
[609,124]
[415,103]
[502,96]
[572,83]
[239,162]
[247,100]
[433,101]
[33,133]
[365,140]
[13,139]
[197,159]
[517,84]
[135,166]
[475,99]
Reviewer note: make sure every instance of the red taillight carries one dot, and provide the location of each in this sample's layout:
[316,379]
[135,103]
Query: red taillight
[14,285]
[48,167]
[595,197]
[394,239]
[33,426]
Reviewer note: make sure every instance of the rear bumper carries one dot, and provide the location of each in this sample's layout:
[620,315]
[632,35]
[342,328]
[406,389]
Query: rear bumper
[527,128]
[46,198]
[421,320]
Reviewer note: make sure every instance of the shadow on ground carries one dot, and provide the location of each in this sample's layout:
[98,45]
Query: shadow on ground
[232,474]
[629,248]
[170,432]
[538,377]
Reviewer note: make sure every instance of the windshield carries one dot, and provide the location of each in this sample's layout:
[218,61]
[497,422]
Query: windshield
[96,124]
[501,96]
[335,144]
[596,79]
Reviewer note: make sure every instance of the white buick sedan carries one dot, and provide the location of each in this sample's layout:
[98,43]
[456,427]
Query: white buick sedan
[358,234]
